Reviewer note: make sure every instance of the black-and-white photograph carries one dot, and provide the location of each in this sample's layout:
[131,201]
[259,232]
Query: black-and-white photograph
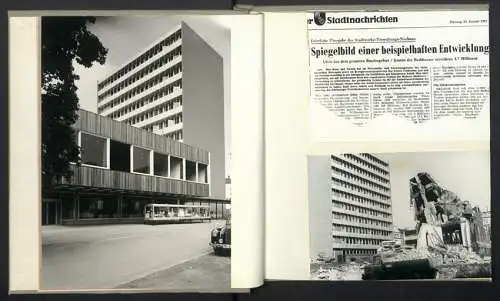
[136,153]
[400,216]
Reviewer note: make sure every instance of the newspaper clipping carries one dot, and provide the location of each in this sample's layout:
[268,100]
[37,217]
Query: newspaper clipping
[399,75]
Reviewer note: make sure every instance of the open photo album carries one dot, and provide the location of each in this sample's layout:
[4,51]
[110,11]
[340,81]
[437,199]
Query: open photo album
[210,152]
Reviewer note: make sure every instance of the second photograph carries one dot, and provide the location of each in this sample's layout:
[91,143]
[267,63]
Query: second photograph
[400,216]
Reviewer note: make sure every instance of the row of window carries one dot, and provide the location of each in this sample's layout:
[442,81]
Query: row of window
[143,72]
[170,121]
[359,220]
[360,230]
[359,170]
[141,59]
[158,109]
[88,207]
[365,164]
[356,241]
[359,189]
[106,153]
[360,210]
[374,159]
[162,124]
[349,176]
[338,194]
[359,252]
[177,135]
[155,81]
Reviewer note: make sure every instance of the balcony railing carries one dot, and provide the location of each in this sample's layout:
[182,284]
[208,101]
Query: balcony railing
[159,117]
[367,166]
[354,171]
[358,182]
[170,129]
[344,222]
[142,94]
[338,198]
[138,68]
[152,105]
[376,198]
[355,246]
[363,215]
[360,235]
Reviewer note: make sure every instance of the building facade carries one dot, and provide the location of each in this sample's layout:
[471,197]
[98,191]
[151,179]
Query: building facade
[174,88]
[122,169]
[409,236]
[351,195]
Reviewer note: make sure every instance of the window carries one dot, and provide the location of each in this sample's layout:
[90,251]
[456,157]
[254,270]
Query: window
[141,160]
[95,207]
[190,171]
[161,165]
[119,156]
[176,167]
[94,150]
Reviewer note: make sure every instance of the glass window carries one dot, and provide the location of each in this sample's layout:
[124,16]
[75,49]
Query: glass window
[68,208]
[176,170]
[94,150]
[161,165]
[134,207]
[141,160]
[191,171]
[97,207]
[119,156]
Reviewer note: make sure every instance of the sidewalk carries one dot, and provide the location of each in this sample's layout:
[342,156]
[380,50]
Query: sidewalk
[206,272]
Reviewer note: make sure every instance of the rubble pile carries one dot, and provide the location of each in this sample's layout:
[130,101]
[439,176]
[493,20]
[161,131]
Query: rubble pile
[348,271]
[403,255]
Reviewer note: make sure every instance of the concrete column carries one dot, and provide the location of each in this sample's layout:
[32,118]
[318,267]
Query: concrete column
[108,153]
[183,169]
[131,158]
[151,163]
[168,166]
[77,207]
[119,206]
[197,180]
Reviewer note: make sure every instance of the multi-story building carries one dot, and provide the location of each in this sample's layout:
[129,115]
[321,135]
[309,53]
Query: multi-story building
[351,210]
[173,88]
[124,168]
[409,236]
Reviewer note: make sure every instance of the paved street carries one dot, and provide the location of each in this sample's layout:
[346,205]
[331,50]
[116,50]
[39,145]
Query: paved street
[135,256]
[192,273]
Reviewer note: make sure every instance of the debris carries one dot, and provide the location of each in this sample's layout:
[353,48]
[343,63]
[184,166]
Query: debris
[451,238]
[350,271]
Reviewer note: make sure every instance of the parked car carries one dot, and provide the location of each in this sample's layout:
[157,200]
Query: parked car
[220,238]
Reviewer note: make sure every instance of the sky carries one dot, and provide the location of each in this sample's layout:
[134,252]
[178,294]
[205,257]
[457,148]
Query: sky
[127,36]
[465,173]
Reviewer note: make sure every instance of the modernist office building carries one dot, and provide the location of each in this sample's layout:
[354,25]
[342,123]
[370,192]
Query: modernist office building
[122,169]
[173,88]
[350,205]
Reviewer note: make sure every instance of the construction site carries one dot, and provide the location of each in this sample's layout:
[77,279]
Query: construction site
[451,243]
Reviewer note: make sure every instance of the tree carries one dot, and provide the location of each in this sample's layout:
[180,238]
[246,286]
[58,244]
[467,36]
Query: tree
[65,40]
